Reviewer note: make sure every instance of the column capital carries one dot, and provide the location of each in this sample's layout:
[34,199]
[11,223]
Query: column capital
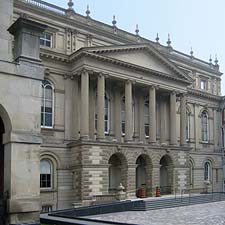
[174,92]
[102,74]
[128,81]
[66,76]
[183,94]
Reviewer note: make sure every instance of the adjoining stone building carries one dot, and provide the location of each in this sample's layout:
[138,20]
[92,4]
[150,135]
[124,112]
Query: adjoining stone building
[96,107]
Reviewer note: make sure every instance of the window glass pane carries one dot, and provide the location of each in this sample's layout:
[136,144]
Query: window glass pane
[48,93]
[48,119]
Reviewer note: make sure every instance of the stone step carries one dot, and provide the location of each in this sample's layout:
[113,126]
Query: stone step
[153,204]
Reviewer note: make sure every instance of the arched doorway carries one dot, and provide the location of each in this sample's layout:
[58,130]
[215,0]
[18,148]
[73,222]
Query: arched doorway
[117,172]
[144,173]
[2,131]
[166,175]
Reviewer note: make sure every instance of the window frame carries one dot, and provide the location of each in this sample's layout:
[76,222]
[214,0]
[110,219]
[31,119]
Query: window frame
[207,171]
[51,175]
[45,40]
[44,105]
[204,84]
[146,116]
[204,127]
[188,125]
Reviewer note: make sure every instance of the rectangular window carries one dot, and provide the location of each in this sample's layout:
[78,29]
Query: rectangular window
[46,40]
[204,84]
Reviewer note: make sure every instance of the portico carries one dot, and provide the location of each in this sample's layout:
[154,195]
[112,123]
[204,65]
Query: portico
[113,73]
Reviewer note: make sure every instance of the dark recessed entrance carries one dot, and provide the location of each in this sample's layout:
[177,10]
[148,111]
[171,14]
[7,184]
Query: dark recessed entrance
[2,131]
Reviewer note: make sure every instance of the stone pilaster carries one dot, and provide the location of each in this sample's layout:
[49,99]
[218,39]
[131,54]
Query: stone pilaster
[84,115]
[6,17]
[128,111]
[173,132]
[183,119]
[131,186]
[155,177]
[152,115]
[68,107]
[101,107]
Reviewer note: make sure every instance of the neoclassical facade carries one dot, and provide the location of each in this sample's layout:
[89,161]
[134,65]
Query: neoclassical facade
[96,107]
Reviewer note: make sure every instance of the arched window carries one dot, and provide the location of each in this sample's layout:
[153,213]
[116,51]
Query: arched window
[107,115]
[146,117]
[204,123]
[47,104]
[46,174]
[207,171]
[188,125]
[123,115]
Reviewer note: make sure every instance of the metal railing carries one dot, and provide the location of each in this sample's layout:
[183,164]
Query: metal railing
[45,5]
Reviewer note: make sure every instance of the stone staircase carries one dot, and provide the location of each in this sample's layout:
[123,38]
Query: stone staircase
[171,202]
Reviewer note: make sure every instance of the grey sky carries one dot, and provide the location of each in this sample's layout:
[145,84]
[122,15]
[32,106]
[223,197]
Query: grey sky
[199,24]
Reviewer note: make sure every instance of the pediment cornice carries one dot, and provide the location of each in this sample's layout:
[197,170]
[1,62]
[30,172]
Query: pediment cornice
[147,48]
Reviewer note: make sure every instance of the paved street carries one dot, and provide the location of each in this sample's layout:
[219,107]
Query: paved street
[207,214]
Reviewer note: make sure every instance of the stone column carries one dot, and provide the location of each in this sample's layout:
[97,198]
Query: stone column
[117,113]
[141,119]
[92,110]
[128,111]
[183,119]
[173,132]
[84,115]
[162,121]
[101,107]
[152,115]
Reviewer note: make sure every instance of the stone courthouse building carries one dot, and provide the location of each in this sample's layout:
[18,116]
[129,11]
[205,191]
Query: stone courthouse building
[96,107]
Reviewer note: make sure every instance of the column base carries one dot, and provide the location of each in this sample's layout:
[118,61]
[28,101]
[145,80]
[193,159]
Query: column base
[84,137]
[100,139]
[128,141]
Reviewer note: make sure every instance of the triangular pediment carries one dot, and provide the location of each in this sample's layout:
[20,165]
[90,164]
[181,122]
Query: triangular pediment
[142,56]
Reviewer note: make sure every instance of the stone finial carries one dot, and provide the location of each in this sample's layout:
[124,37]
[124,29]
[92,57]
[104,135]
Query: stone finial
[157,38]
[210,59]
[216,61]
[88,12]
[70,4]
[114,21]
[169,41]
[192,53]
[217,67]
[137,30]
[70,11]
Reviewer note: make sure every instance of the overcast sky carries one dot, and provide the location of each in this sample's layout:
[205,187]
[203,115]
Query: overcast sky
[199,24]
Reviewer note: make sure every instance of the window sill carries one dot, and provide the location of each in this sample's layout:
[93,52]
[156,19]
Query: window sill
[47,190]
